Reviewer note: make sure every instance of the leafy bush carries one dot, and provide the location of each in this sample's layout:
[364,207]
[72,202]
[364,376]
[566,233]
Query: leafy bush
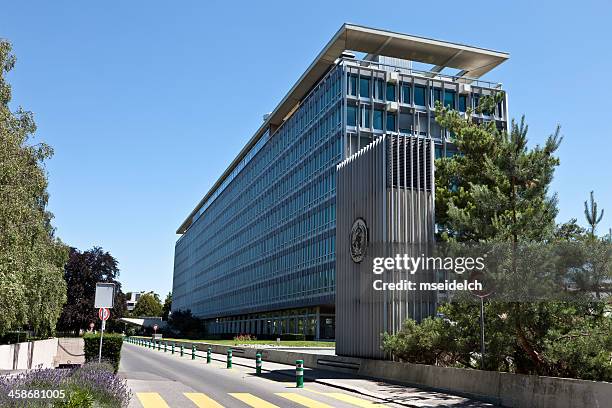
[88,386]
[427,343]
[572,340]
[293,336]
[111,348]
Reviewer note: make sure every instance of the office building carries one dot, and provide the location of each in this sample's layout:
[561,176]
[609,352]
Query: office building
[258,253]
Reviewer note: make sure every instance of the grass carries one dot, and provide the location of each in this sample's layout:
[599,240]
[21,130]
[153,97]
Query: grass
[282,343]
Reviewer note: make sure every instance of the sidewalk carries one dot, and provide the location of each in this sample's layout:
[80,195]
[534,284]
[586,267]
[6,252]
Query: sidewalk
[396,393]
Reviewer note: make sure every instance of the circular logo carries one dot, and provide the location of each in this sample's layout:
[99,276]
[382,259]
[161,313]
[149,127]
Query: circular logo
[359,240]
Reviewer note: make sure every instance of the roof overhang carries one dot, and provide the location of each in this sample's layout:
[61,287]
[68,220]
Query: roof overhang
[473,62]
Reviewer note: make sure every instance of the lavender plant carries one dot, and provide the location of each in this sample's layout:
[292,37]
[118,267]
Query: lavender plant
[90,385]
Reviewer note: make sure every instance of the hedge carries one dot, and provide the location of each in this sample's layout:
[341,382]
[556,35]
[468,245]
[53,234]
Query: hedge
[111,348]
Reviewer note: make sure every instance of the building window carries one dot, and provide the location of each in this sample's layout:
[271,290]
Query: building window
[438,152]
[406,93]
[390,92]
[352,85]
[351,115]
[405,122]
[462,103]
[436,96]
[449,99]
[364,87]
[365,117]
[476,100]
[390,122]
[419,95]
[379,89]
[378,119]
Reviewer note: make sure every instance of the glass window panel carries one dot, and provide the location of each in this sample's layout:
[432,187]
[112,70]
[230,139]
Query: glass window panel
[449,99]
[352,85]
[405,122]
[419,95]
[365,116]
[476,100]
[405,93]
[391,122]
[378,119]
[351,115]
[364,87]
[379,89]
[390,92]
[437,96]
[462,103]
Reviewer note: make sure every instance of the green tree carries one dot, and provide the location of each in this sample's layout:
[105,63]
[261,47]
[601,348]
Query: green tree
[148,305]
[496,192]
[32,288]
[82,271]
[591,214]
[167,308]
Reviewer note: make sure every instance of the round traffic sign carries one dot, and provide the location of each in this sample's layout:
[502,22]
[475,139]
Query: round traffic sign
[91,325]
[155,327]
[103,313]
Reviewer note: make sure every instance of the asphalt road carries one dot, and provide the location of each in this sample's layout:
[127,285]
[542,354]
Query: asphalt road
[161,380]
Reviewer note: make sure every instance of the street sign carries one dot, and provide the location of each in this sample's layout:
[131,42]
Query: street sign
[91,326]
[155,327]
[105,295]
[103,313]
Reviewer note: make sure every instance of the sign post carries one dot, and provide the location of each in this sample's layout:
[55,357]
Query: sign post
[482,294]
[103,314]
[104,300]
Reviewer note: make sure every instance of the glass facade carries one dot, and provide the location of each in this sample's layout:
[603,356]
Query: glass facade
[267,240]
[259,255]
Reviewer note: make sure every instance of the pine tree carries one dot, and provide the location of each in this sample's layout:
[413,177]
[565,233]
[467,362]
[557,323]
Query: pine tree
[590,213]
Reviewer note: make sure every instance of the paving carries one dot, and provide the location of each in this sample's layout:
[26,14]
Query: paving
[161,379]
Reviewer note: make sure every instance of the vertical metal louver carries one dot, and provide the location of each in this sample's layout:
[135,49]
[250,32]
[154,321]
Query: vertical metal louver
[410,163]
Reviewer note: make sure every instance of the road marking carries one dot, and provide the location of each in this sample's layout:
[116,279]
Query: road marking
[151,400]
[349,399]
[202,400]
[252,400]
[302,400]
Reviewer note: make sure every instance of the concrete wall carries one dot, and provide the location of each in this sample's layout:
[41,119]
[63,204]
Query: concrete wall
[70,350]
[506,389]
[34,354]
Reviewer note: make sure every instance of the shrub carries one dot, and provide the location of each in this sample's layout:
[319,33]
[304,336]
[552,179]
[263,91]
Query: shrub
[293,336]
[92,385]
[111,348]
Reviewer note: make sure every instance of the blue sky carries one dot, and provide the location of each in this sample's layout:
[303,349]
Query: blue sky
[147,103]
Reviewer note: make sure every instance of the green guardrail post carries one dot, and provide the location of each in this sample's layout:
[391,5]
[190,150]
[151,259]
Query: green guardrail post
[229,358]
[258,363]
[182,350]
[173,347]
[159,345]
[165,346]
[193,349]
[299,373]
[209,355]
